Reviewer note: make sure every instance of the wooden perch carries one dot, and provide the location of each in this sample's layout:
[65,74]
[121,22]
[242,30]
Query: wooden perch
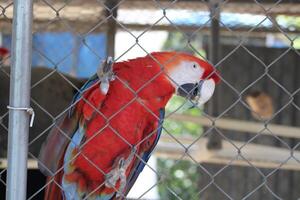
[31,164]
[242,126]
[260,156]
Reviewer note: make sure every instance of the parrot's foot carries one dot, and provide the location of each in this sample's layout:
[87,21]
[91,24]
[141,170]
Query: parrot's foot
[86,188]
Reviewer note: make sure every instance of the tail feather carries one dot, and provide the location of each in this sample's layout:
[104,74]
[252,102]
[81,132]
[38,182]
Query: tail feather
[53,191]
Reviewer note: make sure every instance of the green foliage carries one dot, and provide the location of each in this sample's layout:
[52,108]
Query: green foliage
[289,21]
[297,43]
[176,41]
[292,23]
[181,177]
[180,105]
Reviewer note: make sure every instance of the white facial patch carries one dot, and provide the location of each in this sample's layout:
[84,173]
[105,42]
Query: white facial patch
[186,72]
[206,92]
[189,72]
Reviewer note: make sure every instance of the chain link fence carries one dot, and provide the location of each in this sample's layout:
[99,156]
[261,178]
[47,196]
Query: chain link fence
[244,144]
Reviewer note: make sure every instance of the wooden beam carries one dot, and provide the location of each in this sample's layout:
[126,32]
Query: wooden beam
[242,126]
[260,156]
[31,163]
[83,27]
[82,17]
[86,9]
[224,31]
[287,7]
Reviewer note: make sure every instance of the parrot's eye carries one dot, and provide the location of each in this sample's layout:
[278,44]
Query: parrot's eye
[194,66]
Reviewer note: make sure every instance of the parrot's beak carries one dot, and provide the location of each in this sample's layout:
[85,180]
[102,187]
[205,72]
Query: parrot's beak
[199,93]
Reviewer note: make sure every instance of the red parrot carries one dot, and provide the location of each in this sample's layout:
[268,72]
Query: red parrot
[4,56]
[100,147]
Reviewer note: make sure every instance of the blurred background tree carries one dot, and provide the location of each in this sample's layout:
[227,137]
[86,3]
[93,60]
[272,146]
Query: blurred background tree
[292,23]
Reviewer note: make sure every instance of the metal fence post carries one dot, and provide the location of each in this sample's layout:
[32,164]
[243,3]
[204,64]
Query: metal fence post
[215,141]
[111,27]
[19,100]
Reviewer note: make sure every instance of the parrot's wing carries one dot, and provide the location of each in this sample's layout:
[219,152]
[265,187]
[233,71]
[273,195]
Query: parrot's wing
[84,91]
[53,148]
[146,155]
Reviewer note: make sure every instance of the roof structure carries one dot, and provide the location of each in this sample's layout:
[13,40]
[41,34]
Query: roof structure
[89,15]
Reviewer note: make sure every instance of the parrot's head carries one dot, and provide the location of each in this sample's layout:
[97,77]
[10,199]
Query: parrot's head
[192,77]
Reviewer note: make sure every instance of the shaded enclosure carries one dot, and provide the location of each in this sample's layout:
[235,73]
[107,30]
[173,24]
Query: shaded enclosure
[52,96]
[245,71]
[221,151]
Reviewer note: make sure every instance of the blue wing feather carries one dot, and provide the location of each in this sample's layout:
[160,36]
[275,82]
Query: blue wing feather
[78,95]
[69,124]
[146,155]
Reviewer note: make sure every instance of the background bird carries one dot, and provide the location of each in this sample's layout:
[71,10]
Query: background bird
[98,149]
[4,56]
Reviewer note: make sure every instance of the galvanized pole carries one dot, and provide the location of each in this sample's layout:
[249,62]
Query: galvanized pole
[19,100]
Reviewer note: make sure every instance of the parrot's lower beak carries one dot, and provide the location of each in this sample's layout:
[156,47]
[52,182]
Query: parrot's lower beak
[199,93]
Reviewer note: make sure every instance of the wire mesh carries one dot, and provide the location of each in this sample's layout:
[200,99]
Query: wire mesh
[192,170]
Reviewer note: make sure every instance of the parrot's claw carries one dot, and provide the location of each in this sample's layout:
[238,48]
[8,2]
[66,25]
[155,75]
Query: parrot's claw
[105,74]
[119,172]
[108,65]
[105,71]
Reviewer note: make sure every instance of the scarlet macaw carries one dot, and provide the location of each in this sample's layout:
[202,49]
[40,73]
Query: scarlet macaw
[100,147]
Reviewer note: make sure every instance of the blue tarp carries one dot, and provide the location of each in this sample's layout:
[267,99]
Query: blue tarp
[66,52]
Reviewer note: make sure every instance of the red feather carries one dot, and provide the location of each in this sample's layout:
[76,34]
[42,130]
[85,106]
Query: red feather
[3,51]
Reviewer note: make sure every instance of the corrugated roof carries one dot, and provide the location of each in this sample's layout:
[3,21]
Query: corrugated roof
[83,16]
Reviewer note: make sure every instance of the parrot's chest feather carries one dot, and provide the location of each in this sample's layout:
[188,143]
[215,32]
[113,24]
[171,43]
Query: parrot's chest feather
[127,120]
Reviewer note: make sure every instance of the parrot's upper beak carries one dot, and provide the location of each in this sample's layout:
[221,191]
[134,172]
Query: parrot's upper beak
[199,93]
